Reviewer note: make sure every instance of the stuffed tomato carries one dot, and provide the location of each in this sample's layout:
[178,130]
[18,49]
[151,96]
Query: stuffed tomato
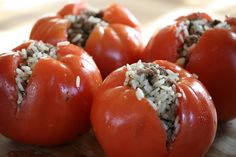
[205,47]
[111,36]
[153,109]
[46,93]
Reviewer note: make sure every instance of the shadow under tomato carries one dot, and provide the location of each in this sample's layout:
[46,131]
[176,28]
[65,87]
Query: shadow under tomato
[85,146]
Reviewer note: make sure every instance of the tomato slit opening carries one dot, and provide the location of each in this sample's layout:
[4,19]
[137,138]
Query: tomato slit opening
[83,24]
[189,32]
[29,58]
[157,85]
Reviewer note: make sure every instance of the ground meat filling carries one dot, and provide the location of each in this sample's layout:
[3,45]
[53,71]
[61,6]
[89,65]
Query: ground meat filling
[30,57]
[158,86]
[189,32]
[82,25]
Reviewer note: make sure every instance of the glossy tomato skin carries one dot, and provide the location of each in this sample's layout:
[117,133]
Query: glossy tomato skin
[113,47]
[159,48]
[212,59]
[216,51]
[50,29]
[54,111]
[116,44]
[115,13]
[127,127]
[73,8]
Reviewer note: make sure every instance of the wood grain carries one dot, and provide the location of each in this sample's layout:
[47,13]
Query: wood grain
[87,146]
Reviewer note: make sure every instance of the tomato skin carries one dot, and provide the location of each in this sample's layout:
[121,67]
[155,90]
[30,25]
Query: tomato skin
[216,50]
[108,48]
[50,29]
[194,16]
[122,16]
[117,44]
[127,127]
[232,22]
[124,123]
[165,49]
[213,54]
[72,8]
[54,111]
[197,120]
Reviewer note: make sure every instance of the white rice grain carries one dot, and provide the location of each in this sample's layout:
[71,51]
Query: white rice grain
[77,81]
[63,43]
[139,94]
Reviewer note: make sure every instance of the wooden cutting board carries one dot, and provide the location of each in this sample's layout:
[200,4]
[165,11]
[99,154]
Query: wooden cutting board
[87,146]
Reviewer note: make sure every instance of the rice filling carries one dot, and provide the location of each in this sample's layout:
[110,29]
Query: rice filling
[158,86]
[189,33]
[30,56]
[82,25]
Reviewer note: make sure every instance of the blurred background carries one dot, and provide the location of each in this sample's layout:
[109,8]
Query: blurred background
[18,16]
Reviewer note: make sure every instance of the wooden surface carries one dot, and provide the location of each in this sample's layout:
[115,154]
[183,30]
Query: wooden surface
[17,18]
[87,146]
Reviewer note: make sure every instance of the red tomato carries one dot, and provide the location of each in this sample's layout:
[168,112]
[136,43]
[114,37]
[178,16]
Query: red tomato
[212,58]
[54,110]
[111,46]
[128,127]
